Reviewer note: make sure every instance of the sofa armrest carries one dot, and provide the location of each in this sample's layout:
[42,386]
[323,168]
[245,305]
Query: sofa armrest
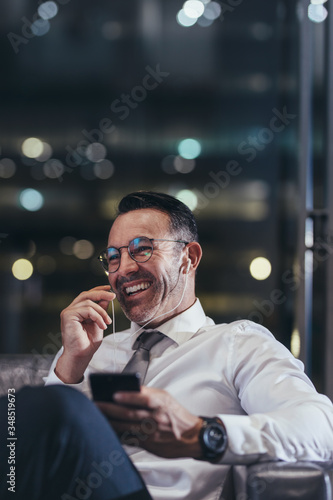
[289,481]
[18,370]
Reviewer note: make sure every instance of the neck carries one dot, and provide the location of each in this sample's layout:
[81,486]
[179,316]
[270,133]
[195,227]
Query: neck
[164,318]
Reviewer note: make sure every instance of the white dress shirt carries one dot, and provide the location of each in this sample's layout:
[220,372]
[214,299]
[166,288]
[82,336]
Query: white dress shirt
[236,371]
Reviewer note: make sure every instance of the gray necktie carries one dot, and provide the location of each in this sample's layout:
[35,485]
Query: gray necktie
[140,360]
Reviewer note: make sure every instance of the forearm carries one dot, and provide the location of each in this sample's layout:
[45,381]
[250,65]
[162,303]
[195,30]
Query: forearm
[138,435]
[71,370]
[298,433]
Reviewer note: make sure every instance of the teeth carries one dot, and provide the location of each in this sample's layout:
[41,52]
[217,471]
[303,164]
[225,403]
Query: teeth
[136,288]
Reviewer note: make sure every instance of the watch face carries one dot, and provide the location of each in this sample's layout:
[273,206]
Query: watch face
[214,438]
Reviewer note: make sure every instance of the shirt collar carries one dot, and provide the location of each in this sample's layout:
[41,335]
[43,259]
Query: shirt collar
[182,327]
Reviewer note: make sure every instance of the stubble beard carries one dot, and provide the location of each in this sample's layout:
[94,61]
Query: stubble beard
[157,296]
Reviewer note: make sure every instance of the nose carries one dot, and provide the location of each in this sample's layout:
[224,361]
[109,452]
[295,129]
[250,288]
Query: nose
[127,264]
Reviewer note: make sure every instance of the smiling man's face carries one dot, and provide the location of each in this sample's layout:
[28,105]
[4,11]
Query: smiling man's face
[148,289]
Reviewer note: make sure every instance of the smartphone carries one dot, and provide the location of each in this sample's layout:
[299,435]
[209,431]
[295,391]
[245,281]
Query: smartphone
[104,385]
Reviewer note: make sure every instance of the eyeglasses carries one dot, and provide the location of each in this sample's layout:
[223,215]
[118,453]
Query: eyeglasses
[140,249]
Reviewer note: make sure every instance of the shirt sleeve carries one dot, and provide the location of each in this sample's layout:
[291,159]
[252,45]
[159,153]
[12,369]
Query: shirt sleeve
[53,379]
[286,419]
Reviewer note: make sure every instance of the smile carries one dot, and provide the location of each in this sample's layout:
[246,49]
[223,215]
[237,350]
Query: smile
[137,288]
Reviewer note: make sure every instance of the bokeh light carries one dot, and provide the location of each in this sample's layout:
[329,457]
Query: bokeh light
[46,153]
[183,165]
[188,197]
[204,22]
[48,10]
[189,148]
[96,152]
[66,245]
[104,169]
[212,11]
[7,168]
[31,199]
[32,147]
[83,249]
[295,343]
[260,268]
[40,27]
[193,8]
[184,20]
[53,169]
[317,13]
[22,269]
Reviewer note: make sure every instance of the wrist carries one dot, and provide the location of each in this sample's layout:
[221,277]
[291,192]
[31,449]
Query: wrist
[71,370]
[191,439]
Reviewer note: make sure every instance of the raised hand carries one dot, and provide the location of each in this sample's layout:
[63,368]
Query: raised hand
[82,326]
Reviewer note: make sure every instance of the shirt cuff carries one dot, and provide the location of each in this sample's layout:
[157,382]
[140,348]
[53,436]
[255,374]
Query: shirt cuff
[245,443]
[53,379]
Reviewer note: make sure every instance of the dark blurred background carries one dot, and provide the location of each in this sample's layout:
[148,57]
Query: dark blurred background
[225,105]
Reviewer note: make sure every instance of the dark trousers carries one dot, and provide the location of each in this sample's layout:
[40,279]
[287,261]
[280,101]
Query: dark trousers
[56,445]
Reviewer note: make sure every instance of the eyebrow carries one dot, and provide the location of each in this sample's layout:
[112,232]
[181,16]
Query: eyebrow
[134,238]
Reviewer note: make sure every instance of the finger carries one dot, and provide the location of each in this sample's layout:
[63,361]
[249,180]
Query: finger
[146,427]
[106,408]
[84,306]
[105,304]
[101,310]
[96,294]
[102,287]
[147,398]
[93,312]
[123,413]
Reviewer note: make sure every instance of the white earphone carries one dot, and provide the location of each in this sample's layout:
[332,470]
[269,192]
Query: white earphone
[188,266]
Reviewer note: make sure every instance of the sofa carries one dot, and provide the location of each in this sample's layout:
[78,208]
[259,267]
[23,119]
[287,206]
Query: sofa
[264,481]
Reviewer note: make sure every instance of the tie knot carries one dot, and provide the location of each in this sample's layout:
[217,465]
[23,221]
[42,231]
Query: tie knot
[148,339]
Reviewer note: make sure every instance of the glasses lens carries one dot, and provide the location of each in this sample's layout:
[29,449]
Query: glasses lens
[111,259]
[141,249]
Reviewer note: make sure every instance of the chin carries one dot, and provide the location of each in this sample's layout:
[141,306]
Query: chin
[140,311]
[138,316]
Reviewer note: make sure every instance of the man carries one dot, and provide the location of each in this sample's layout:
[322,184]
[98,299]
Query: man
[213,395]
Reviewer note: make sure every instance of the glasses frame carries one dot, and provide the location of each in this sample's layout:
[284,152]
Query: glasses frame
[100,257]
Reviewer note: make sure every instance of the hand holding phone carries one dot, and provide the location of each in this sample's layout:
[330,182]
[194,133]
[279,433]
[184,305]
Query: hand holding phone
[104,385]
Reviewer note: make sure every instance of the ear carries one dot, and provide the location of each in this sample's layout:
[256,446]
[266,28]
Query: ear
[194,253]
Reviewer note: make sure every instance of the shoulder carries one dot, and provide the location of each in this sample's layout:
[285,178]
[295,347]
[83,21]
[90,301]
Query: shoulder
[249,339]
[247,327]
[242,327]
[239,337]
[255,343]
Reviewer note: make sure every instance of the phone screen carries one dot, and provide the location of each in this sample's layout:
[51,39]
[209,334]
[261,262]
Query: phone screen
[104,385]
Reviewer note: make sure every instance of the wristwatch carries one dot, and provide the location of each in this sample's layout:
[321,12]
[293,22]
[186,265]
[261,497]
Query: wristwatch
[213,439]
